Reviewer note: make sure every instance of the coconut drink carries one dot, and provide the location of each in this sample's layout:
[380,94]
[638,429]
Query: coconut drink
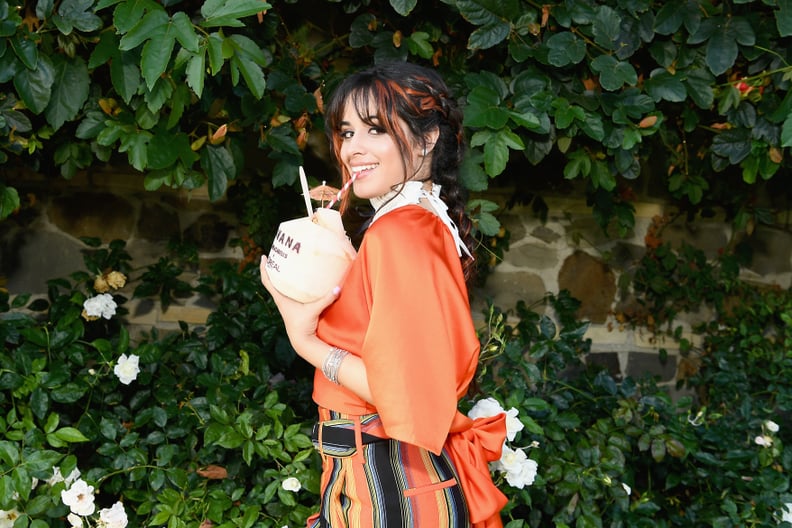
[309,256]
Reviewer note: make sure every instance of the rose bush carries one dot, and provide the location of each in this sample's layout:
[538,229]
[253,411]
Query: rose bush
[209,426]
[621,452]
[187,429]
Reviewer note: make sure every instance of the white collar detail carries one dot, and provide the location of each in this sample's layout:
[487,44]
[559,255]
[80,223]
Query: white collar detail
[411,193]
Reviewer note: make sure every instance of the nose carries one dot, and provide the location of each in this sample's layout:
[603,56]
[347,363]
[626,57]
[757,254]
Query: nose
[353,146]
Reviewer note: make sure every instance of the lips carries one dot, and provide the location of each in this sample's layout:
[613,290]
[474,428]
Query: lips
[362,170]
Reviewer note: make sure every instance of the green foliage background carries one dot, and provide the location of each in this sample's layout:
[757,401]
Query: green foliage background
[689,99]
[576,92]
[219,416]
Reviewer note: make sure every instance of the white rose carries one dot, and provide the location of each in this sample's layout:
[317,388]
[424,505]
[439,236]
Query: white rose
[525,474]
[75,521]
[511,459]
[485,408]
[786,512]
[127,368]
[513,424]
[291,484]
[101,305]
[79,498]
[627,489]
[764,441]
[114,517]
[74,475]
[8,518]
[771,426]
[56,477]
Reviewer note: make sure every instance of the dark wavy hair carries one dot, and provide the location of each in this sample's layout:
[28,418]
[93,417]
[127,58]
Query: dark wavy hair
[420,98]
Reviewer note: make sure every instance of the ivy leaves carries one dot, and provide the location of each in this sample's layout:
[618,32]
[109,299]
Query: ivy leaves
[601,95]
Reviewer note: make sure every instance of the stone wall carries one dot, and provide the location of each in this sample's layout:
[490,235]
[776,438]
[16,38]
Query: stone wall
[569,251]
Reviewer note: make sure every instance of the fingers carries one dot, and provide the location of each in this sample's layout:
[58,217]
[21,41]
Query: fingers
[328,299]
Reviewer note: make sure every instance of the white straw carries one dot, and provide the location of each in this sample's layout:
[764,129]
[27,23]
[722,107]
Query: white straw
[306,192]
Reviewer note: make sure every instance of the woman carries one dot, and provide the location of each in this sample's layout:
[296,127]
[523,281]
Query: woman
[395,347]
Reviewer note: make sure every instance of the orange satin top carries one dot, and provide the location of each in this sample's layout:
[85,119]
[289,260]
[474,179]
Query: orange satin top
[403,309]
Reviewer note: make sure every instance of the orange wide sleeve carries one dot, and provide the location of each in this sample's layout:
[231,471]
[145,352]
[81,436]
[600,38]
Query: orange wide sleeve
[420,349]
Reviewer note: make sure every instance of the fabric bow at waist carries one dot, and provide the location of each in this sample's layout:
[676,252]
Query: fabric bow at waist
[472,445]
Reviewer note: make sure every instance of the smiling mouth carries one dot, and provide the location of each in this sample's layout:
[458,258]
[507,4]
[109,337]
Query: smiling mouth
[358,171]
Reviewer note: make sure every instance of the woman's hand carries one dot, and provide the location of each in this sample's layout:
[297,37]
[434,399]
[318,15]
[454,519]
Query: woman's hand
[300,318]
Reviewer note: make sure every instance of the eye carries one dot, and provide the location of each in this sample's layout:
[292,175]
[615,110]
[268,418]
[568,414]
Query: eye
[376,130]
[345,134]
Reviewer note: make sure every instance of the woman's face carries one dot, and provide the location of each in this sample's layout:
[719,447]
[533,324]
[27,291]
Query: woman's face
[371,155]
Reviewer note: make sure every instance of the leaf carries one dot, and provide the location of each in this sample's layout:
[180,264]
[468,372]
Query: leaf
[496,148]
[106,3]
[722,49]
[196,72]
[489,35]
[71,435]
[359,33]
[215,52]
[419,44]
[699,84]
[483,109]
[488,224]
[129,13]
[213,471]
[783,18]
[471,174]
[606,27]
[663,85]
[34,87]
[403,7]
[593,126]
[184,32]
[104,50]
[614,73]
[786,132]
[155,58]
[158,95]
[734,144]
[25,50]
[77,14]
[579,164]
[9,201]
[153,26]
[252,73]
[228,12]
[125,76]
[565,48]
[246,47]
[14,119]
[218,164]
[528,120]
[721,53]
[482,12]
[136,147]
[179,100]
[669,18]
[165,148]
[601,176]
[69,90]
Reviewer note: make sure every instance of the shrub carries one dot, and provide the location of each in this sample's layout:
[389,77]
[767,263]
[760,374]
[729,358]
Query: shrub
[203,435]
[209,427]
[624,453]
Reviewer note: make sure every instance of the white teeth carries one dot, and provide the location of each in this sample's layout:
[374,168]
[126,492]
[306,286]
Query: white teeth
[358,170]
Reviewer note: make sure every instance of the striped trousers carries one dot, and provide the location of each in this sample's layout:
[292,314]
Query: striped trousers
[369,481]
